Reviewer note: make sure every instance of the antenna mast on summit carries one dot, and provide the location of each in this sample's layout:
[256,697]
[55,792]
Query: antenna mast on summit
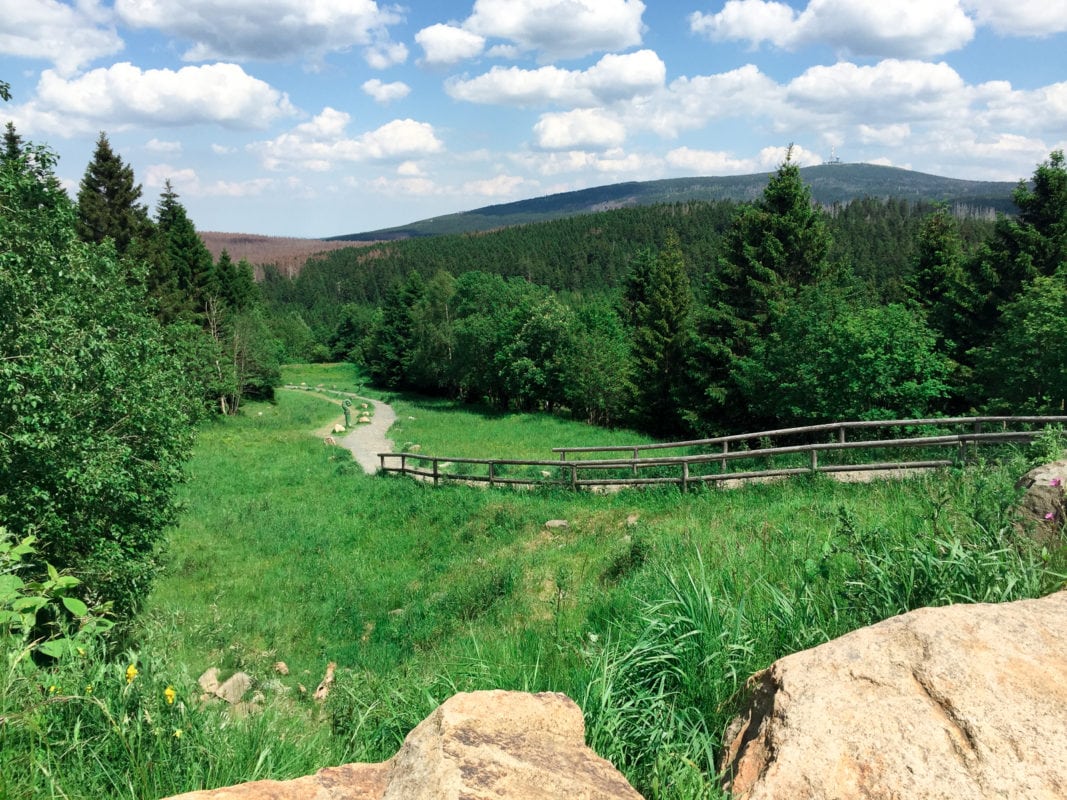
[833,157]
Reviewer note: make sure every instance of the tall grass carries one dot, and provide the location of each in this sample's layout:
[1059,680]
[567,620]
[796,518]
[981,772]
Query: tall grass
[651,608]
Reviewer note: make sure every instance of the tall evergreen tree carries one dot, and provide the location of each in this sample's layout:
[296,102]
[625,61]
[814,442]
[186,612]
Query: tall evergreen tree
[108,198]
[182,276]
[12,143]
[661,338]
[773,247]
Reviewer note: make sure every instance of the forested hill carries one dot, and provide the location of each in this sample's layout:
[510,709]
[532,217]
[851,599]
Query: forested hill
[829,184]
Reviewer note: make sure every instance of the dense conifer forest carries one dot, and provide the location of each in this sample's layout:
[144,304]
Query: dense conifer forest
[709,317]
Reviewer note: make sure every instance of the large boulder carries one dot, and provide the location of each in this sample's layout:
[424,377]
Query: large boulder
[956,702]
[1044,503]
[476,746]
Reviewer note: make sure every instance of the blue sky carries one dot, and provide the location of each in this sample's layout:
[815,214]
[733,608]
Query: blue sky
[323,117]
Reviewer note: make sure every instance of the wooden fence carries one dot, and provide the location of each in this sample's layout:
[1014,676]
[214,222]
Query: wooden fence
[710,460]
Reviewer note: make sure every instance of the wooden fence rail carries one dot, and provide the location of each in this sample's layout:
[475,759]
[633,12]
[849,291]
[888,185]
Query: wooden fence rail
[689,469]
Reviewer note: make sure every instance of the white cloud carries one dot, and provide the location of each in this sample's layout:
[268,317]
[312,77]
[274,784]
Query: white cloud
[320,143]
[1021,17]
[887,91]
[690,103]
[68,36]
[221,150]
[887,135]
[447,44]
[270,30]
[583,128]
[158,146]
[187,182]
[386,92]
[409,169]
[497,186]
[709,162]
[386,54]
[413,187]
[124,96]
[900,29]
[612,78]
[560,28]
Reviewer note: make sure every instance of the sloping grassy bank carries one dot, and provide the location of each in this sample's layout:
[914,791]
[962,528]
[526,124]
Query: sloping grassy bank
[650,608]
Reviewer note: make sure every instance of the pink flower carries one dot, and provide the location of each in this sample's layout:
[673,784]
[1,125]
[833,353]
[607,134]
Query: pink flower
[1055,482]
[1050,515]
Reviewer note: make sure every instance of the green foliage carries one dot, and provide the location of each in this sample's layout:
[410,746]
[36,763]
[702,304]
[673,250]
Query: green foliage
[828,357]
[94,424]
[108,198]
[660,303]
[1024,366]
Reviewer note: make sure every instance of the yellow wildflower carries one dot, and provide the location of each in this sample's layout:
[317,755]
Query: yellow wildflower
[131,673]
[170,694]
[177,733]
[88,688]
[52,690]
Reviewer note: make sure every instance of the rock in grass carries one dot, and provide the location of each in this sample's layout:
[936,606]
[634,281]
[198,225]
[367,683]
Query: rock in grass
[1044,504]
[957,702]
[477,746]
[557,523]
[234,688]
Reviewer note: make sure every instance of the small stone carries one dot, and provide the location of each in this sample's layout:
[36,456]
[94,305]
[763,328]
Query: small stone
[323,691]
[234,688]
[557,523]
[338,428]
[281,668]
[209,681]
[632,520]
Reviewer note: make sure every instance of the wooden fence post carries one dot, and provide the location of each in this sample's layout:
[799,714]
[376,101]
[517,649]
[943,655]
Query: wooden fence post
[841,434]
[725,450]
[637,454]
[814,460]
[491,475]
[685,476]
[574,476]
[435,471]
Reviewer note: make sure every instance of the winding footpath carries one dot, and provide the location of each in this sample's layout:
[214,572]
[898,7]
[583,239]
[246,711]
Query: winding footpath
[363,441]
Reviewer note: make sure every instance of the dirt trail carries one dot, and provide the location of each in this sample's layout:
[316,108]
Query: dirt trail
[363,441]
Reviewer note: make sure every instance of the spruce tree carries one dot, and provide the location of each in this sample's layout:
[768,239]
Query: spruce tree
[182,277]
[108,198]
[661,338]
[12,143]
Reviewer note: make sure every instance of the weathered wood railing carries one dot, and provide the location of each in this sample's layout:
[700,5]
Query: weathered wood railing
[684,470]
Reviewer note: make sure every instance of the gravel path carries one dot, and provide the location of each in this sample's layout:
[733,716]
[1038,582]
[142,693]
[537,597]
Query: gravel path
[363,441]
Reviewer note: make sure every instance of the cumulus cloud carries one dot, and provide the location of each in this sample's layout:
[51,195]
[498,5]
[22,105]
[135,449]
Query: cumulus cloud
[888,90]
[552,29]
[269,30]
[901,29]
[386,92]
[159,146]
[497,186]
[68,36]
[323,141]
[612,78]
[386,54]
[708,162]
[447,44]
[123,96]
[583,128]
[560,28]
[1021,17]
[186,181]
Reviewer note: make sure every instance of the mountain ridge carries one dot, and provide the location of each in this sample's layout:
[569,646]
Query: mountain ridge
[830,183]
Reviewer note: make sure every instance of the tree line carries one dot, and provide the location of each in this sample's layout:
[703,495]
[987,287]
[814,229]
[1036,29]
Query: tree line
[787,313]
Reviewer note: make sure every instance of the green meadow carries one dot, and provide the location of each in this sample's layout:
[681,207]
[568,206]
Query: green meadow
[650,608]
